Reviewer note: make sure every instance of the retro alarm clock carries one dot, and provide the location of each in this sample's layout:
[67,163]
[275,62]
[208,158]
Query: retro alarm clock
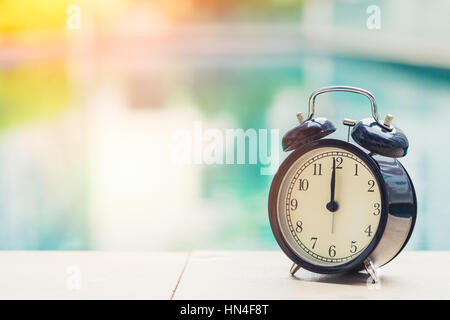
[337,206]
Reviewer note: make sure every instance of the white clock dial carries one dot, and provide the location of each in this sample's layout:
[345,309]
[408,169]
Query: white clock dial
[324,227]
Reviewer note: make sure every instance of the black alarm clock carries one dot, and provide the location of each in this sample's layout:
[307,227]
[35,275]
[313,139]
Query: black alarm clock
[337,206]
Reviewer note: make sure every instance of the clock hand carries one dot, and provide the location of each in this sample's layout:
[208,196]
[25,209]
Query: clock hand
[332,206]
[333,181]
[332,222]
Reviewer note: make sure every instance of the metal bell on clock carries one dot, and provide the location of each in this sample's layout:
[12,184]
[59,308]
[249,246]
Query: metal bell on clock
[378,139]
[306,132]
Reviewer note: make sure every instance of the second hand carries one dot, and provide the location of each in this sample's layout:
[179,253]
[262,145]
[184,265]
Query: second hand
[332,222]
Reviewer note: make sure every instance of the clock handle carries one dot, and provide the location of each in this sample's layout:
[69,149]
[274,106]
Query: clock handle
[363,92]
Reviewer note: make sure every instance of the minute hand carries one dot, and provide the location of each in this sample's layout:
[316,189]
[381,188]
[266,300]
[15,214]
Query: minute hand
[332,206]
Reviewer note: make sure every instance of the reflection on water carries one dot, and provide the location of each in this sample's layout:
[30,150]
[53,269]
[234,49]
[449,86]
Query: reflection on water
[98,175]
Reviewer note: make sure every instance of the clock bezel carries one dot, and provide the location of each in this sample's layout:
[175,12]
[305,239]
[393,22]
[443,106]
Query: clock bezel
[356,263]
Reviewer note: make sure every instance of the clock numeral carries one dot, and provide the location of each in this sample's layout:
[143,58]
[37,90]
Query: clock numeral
[368,230]
[299,227]
[317,169]
[356,169]
[371,184]
[294,204]
[303,184]
[315,241]
[332,251]
[353,247]
[377,207]
[339,161]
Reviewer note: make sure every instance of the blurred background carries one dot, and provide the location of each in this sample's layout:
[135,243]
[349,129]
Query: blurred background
[91,92]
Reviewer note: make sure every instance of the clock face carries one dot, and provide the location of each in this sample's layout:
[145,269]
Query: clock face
[329,206]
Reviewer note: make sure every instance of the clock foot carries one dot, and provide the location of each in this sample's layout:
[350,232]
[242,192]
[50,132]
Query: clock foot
[294,269]
[371,270]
